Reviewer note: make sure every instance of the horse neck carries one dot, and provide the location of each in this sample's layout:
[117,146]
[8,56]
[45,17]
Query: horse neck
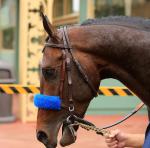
[118,54]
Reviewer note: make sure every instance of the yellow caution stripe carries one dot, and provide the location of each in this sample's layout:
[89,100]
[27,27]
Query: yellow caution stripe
[21,89]
[115,91]
[18,89]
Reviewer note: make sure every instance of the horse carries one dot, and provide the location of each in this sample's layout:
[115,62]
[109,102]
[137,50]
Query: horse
[75,60]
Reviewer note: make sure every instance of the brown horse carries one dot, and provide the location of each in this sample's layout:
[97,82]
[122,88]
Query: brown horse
[113,47]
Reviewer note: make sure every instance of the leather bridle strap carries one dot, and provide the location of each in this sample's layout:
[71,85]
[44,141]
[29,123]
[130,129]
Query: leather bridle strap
[68,71]
[68,49]
[62,79]
[78,65]
[61,46]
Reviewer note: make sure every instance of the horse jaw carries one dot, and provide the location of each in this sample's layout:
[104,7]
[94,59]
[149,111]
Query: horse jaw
[68,137]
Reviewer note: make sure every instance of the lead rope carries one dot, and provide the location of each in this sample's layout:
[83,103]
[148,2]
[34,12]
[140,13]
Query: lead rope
[98,131]
[76,121]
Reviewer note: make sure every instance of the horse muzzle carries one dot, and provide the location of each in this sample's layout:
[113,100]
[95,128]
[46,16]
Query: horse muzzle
[44,135]
[68,137]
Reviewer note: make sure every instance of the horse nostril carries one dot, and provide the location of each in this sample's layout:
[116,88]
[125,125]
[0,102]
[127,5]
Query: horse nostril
[42,136]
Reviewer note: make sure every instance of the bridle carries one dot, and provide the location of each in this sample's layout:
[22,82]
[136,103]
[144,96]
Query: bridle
[68,58]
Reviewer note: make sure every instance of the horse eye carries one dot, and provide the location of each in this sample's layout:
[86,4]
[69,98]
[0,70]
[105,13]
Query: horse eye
[49,73]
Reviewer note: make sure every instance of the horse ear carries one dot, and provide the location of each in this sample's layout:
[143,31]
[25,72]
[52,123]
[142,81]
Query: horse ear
[48,27]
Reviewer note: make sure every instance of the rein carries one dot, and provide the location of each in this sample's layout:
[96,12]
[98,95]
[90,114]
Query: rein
[73,120]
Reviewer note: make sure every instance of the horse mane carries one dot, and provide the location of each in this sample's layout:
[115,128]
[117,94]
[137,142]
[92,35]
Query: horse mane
[134,22]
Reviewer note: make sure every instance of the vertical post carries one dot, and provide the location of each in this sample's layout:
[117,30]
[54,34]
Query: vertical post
[17,42]
[90,9]
[23,53]
[65,2]
[83,10]
[23,41]
[50,9]
[0,39]
[86,9]
[128,7]
[0,32]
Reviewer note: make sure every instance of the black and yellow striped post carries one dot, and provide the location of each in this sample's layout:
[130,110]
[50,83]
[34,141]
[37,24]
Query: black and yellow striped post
[20,89]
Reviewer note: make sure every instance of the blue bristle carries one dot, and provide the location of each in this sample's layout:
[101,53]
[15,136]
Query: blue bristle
[47,102]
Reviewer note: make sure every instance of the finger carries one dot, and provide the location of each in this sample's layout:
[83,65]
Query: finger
[114,133]
[121,145]
[106,135]
[110,135]
[109,140]
[115,146]
[112,144]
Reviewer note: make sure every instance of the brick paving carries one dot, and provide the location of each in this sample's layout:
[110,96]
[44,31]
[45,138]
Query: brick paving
[20,135]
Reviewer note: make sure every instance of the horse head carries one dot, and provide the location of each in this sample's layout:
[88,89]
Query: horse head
[69,73]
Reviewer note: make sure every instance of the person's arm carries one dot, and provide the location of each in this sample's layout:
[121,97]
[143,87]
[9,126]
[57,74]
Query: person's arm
[118,139]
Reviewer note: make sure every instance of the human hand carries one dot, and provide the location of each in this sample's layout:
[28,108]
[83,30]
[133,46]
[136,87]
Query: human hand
[116,139]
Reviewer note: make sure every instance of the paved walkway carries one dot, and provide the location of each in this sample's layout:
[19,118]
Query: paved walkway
[19,135]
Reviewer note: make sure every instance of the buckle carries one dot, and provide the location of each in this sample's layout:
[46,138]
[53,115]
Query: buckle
[71,108]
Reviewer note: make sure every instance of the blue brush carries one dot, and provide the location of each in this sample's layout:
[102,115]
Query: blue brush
[47,102]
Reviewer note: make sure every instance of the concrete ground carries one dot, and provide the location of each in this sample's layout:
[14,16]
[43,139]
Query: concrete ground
[19,135]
